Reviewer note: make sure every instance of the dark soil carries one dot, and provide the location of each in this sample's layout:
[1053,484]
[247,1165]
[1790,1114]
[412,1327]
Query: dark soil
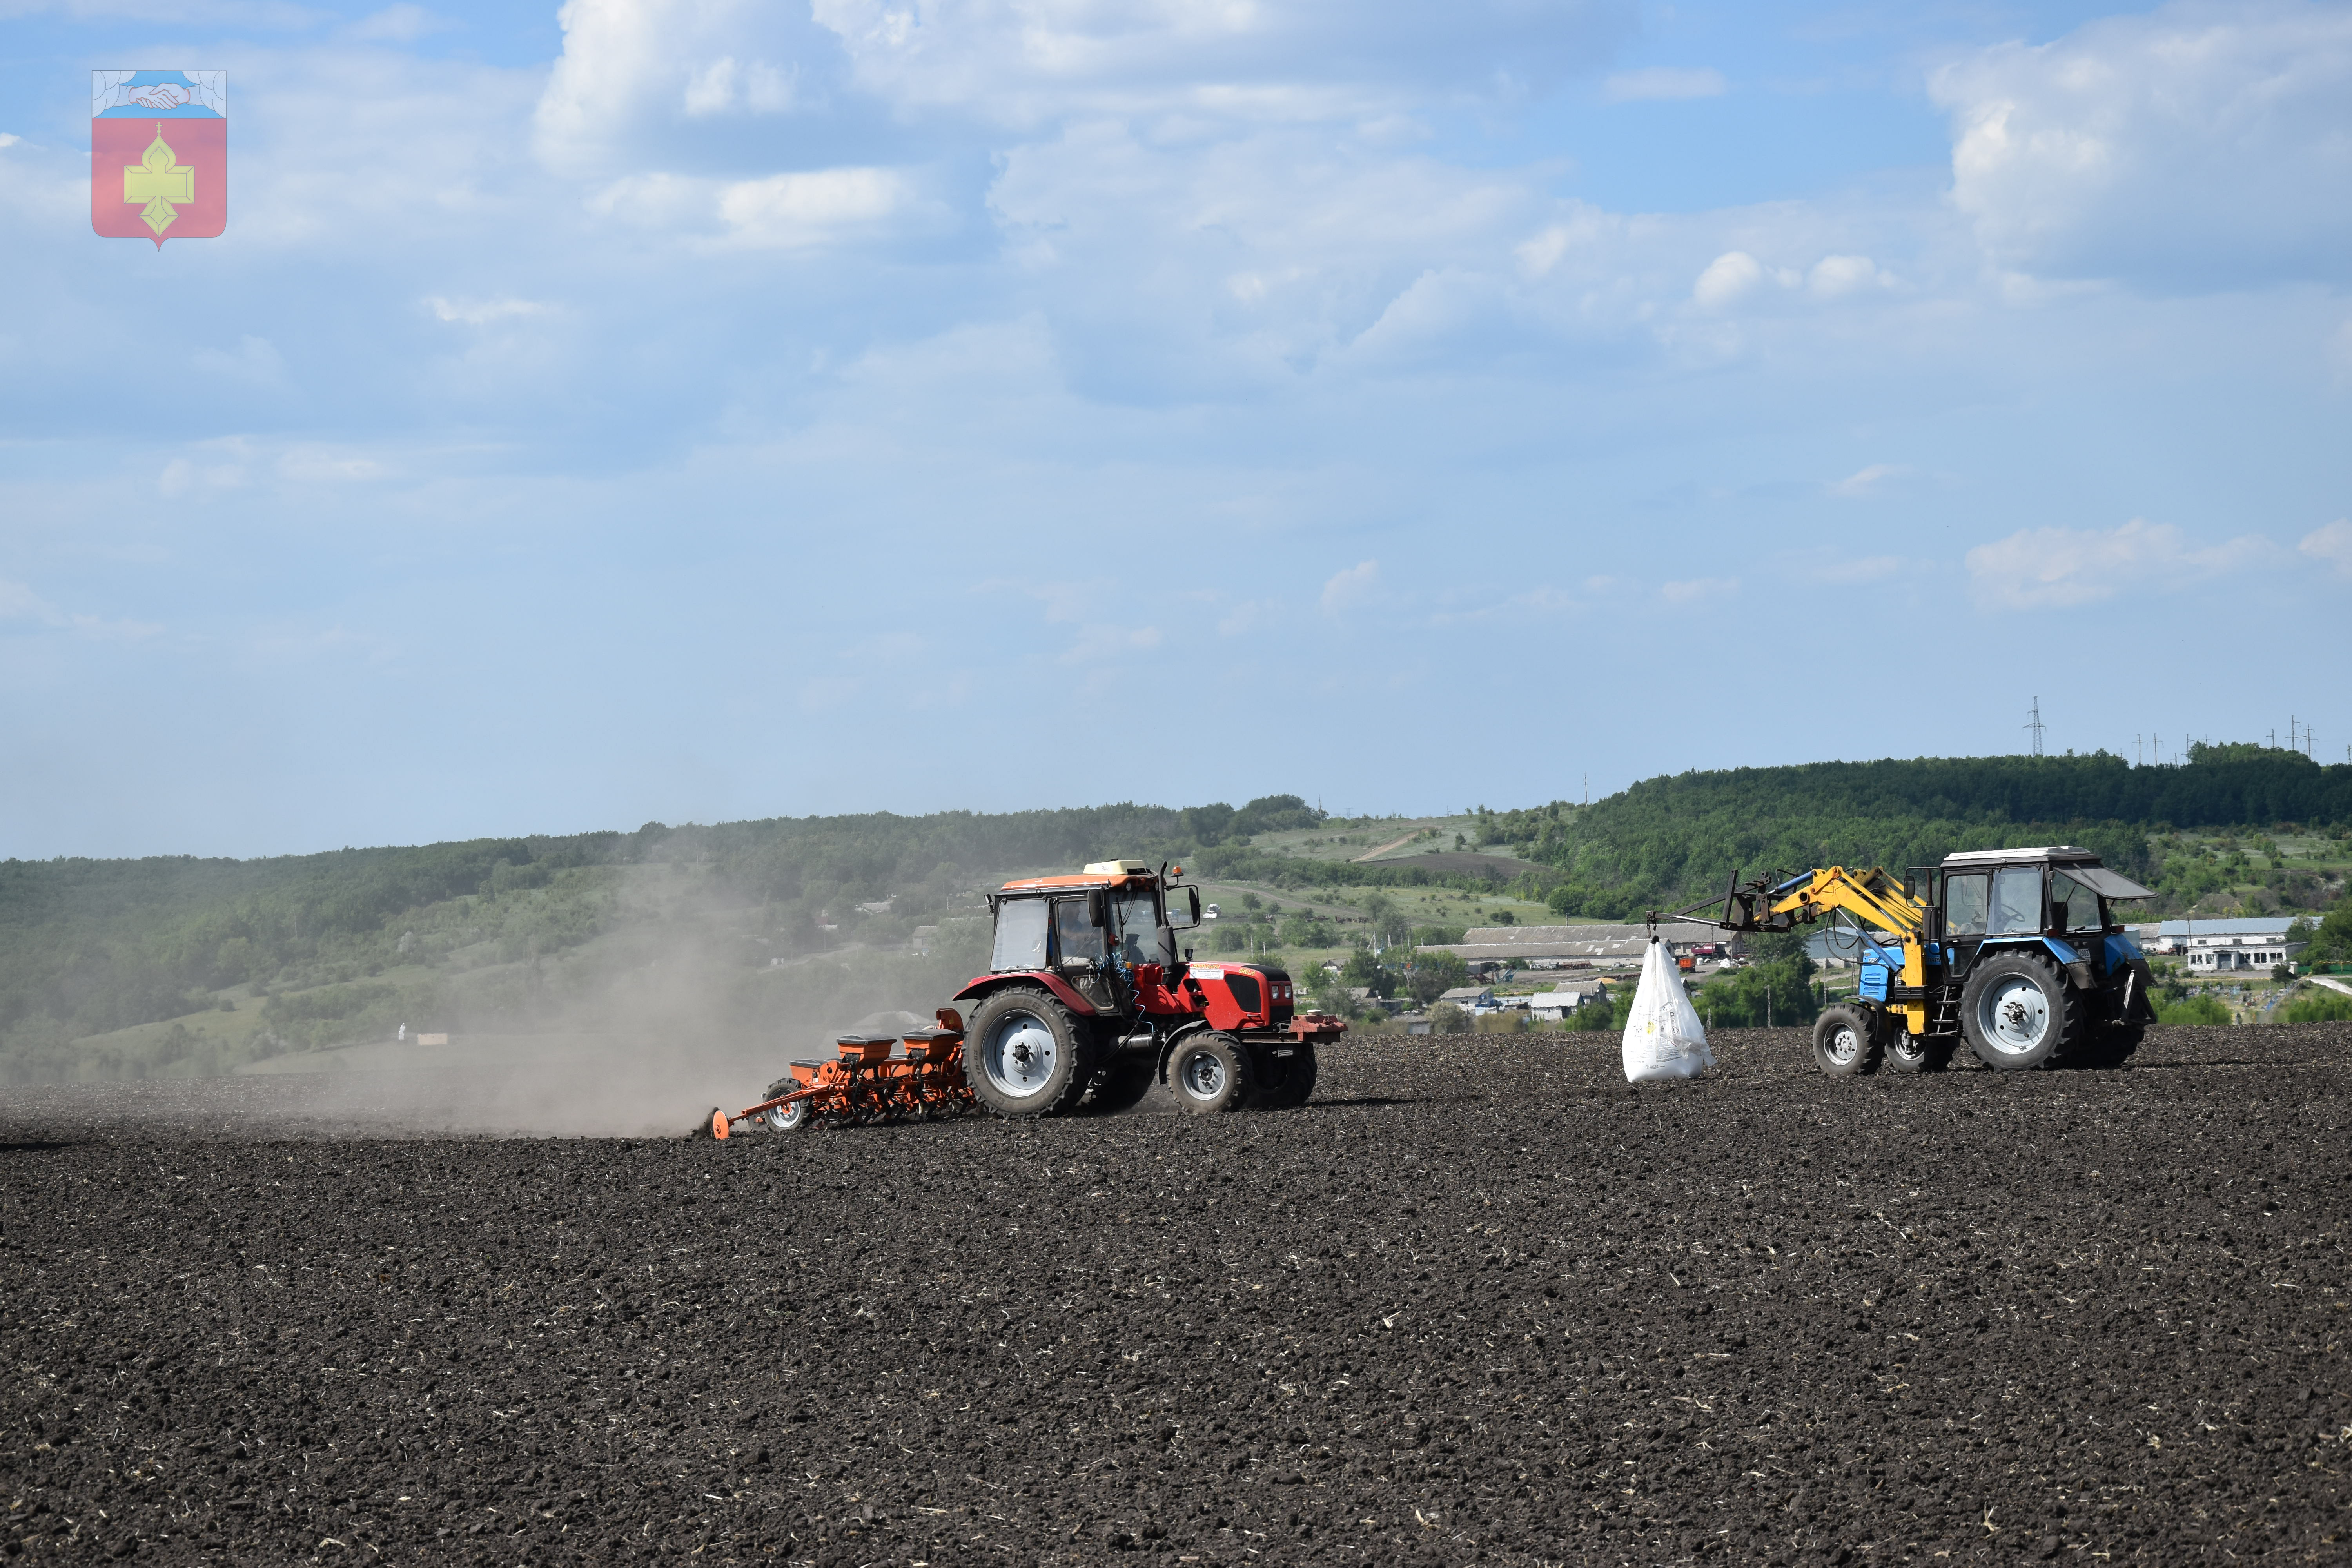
[1480,1302]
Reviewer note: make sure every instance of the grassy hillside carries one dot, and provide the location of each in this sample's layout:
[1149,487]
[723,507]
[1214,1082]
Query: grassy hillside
[176,965]
[1670,840]
[125,967]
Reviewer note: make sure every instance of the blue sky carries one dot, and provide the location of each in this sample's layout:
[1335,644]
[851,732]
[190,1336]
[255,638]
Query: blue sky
[693,409]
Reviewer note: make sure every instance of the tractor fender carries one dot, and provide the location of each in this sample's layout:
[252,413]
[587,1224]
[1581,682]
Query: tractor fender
[2077,964]
[1064,991]
[1176,1037]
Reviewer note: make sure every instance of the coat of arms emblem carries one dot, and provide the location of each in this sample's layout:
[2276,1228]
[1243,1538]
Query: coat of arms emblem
[159,154]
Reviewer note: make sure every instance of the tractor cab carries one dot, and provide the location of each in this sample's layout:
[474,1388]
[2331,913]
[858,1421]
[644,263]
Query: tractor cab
[2057,898]
[1117,911]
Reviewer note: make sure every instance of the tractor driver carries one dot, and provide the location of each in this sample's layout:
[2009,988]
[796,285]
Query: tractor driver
[1135,913]
[1076,935]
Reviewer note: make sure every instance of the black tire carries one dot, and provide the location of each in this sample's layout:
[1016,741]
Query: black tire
[1846,1041]
[1210,1072]
[2109,1046]
[1121,1082]
[1285,1082]
[2018,1012]
[1908,1053]
[1024,1055]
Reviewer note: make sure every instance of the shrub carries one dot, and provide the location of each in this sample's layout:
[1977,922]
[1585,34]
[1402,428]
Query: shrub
[1610,1013]
[2199,1009]
[2319,1007]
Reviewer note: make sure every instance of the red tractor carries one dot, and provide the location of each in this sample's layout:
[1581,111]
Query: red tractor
[1087,999]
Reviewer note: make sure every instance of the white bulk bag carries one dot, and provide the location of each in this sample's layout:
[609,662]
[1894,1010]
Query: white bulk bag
[1663,1038]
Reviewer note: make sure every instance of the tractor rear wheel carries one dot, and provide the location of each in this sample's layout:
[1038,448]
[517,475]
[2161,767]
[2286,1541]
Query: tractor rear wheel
[2018,1012]
[1846,1041]
[1295,1083]
[1023,1053]
[1210,1072]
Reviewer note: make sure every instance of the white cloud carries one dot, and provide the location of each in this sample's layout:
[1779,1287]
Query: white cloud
[724,85]
[481,312]
[1861,569]
[1698,588]
[1726,278]
[1253,258]
[797,211]
[255,361]
[2201,146]
[355,133]
[2332,544]
[1585,232]
[1025,60]
[312,464]
[1096,644]
[1351,587]
[1251,616]
[1665,83]
[2054,568]
[1836,275]
[181,478]
[398,25]
[632,68]
[659,201]
[18,602]
[1863,483]
[8,139]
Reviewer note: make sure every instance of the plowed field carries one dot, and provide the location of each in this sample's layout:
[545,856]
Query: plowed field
[1480,1303]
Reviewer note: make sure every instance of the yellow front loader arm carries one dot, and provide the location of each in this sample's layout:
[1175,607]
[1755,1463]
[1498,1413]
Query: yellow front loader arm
[1872,897]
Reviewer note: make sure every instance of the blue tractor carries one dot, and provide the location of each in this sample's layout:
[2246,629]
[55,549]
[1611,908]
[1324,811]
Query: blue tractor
[2016,951]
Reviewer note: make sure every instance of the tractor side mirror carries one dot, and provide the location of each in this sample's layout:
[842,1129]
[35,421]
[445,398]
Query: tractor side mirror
[1098,908]
[1183,913]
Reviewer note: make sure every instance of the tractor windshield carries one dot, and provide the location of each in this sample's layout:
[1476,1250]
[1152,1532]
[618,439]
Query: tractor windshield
[1019,935]
[2016,899]
[1135,911]
[1074,931]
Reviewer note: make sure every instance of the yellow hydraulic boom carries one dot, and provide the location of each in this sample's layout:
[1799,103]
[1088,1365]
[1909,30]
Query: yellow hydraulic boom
[1874,898]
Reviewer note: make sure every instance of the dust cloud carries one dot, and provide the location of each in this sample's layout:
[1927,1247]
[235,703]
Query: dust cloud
[644,1048]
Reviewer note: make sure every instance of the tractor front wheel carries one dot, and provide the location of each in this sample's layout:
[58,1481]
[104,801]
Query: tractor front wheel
[1023,1054]
[1846,1041]
[1210,1072]
[2018,1012]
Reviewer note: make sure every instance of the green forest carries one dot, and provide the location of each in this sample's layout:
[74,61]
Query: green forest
[178,965]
